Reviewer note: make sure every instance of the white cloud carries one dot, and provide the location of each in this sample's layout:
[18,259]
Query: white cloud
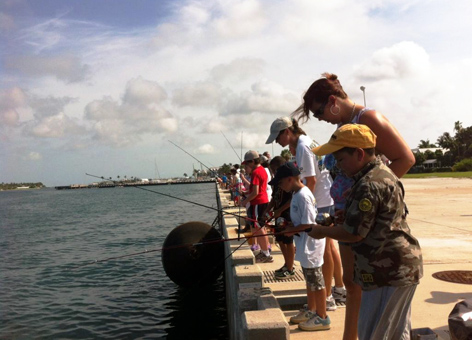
[55,127]
[198,94]
[11,100]
[48,106]
[213,125]
[9,117]
[240,19]
[252,141]
[239,69]
[67,68]
[140,112]
[101,109]
[205,149]
[35,156]
[405,59]
[169,124]
[142,92]
[264,97]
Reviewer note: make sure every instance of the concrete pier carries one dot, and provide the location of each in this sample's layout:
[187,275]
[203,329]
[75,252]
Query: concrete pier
[259,306]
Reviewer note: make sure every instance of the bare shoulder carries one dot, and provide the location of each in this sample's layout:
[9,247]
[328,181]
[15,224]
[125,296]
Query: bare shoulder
[381,126]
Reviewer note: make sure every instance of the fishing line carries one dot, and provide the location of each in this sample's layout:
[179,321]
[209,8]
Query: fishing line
[184,200]
[240,186]
[211,241]
[240,159]
[191,155]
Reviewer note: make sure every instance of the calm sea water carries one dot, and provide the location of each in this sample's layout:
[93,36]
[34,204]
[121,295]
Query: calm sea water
[45,234]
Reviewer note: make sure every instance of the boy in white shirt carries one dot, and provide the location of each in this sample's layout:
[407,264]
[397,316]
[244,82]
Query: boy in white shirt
[309,251]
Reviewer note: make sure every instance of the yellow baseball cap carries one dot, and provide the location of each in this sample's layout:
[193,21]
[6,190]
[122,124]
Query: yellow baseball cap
[350,136]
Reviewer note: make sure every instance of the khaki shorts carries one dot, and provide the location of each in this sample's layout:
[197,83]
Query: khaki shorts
[314,278]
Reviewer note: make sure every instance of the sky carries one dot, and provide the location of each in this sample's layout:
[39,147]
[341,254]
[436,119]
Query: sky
[104,86]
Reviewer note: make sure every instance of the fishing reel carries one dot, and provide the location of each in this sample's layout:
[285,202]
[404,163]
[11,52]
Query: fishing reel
[281,222]
[324,219]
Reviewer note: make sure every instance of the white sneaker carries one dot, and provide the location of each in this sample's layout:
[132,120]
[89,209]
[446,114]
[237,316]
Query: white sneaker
[330,304]
[316,323]
[339,295]
[303,315]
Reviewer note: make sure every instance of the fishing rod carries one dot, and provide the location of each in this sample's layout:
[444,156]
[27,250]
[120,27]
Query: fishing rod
[184,200]
[191,156]
[240,159]
[239,188]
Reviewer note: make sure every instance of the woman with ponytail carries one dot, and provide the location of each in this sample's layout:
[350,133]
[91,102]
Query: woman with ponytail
[326,100]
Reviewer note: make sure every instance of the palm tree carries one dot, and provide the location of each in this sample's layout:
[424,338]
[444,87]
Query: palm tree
[286,154]
[424,144]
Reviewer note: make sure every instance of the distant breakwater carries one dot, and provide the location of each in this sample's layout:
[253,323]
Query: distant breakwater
[134,184]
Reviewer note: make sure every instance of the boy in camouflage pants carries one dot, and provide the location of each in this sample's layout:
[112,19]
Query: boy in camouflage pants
[388,260]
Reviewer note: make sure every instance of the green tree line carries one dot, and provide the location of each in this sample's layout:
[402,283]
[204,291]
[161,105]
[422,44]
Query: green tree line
[12,186]
[459,154]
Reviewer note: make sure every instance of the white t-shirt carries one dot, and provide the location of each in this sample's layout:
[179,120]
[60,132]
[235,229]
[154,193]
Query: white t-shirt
[308,165]
[269,188]
[303,211]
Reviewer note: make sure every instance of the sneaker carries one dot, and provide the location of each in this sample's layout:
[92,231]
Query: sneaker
[330,304]
[339,295]
[287,274]
[316,323]
[281,269]
[303,315]
[262,258]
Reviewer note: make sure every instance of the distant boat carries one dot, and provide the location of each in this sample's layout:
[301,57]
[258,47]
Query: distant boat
[22,187]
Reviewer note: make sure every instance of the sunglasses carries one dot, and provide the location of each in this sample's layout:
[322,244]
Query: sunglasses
[319,112]
[278,136]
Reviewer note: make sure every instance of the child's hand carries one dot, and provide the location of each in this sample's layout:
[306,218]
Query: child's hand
[339,217]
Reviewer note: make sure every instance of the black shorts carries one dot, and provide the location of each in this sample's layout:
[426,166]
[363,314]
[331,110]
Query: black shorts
[282,238]
[255,213]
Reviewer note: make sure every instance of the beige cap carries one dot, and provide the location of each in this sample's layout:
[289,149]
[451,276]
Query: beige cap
[250,156]
[278,125]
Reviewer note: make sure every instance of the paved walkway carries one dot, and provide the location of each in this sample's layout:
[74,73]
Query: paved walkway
[441,218]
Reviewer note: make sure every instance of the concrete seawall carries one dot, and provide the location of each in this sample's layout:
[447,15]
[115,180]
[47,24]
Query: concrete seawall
[259,307]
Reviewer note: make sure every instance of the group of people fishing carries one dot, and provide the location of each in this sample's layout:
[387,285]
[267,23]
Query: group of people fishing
[340,191]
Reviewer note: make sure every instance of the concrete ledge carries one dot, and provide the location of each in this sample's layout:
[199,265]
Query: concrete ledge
[267,302]
[248,276]
[243,257]
[248,298]
[292,299]
[265,324]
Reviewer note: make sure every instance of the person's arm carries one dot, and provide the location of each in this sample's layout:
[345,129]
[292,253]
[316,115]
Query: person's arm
[337,232]
[389,142]
[291,230]
[310,182]
[245,181]
[284,207]
[251,196]
[269,208]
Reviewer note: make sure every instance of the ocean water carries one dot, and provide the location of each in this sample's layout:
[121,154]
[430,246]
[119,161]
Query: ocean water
[47,234]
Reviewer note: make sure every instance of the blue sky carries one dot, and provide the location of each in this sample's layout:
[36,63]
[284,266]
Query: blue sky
[102,86]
